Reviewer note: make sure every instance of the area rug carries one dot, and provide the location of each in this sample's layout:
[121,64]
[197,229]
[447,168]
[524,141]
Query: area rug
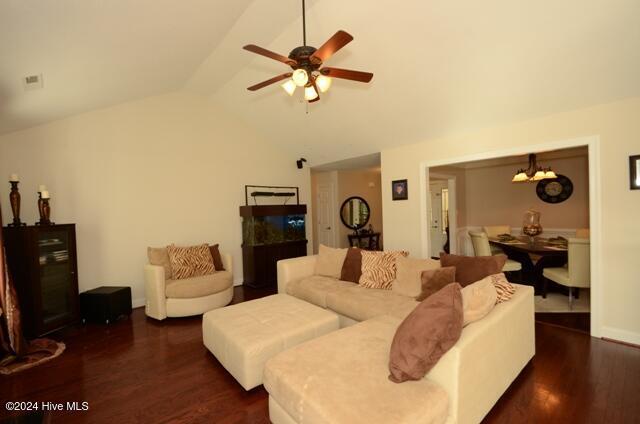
[39,351]
[558,302]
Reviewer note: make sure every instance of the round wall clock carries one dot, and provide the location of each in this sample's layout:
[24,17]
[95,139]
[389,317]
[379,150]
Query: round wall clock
[555,190]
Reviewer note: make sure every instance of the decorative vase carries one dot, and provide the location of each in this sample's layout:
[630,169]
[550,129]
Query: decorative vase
[14,198]
[531,224]
[46,213]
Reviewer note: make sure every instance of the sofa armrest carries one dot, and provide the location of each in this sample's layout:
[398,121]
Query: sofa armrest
[490,354]
[294,269]
[227,262]
[154,289]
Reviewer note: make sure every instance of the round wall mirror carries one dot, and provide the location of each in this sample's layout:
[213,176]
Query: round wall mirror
[355,213]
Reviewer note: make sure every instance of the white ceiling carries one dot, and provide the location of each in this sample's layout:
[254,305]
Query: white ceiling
[96,53]
[440,66]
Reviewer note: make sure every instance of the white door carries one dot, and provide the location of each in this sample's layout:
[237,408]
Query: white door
[326,215]
[437,234]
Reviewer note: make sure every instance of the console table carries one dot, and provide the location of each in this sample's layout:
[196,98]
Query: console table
[366,241]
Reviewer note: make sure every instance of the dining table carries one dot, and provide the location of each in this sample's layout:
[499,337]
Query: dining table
[534,254]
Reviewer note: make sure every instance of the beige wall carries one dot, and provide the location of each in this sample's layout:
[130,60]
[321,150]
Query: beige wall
[165,169]
[359,182]
[488,196]
[364,183]
[618,127]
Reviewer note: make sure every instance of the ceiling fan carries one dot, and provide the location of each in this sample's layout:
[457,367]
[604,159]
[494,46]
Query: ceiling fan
[306,64]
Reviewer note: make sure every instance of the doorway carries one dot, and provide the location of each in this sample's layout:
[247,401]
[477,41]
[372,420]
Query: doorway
[591,188]
[439,217]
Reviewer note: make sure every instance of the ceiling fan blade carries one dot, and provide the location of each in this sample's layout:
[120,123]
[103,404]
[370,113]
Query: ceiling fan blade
[347,74]
[332,45]
[271,55]
[269,82]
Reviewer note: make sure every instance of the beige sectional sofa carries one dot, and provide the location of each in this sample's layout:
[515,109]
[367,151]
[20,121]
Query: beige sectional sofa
[333,377]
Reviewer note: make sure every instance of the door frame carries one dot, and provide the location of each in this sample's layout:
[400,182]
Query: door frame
[453,208]
[595,210]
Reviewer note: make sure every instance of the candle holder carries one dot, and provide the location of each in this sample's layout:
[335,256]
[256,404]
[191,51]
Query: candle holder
[45,212]
[14,198]
[40,205]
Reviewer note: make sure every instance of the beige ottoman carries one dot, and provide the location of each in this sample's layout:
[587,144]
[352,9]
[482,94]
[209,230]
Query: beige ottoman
[244,336]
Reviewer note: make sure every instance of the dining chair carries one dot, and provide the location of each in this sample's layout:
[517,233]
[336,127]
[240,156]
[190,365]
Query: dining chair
[577,272]
[495,231]
[481,247]
[583,233]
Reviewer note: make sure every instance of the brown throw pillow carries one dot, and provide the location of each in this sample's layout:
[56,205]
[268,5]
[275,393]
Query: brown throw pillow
[379,269]
[217,259]
[433,280]
[193,261]
[352,266]
[470,269]
[408,271]
[426,334]
[158,256]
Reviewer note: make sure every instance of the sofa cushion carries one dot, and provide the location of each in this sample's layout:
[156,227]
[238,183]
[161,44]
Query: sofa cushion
[361,303]
[200,286]
[352,266]
[408,270]
[315,289]
[426,335]
[341,377]
[330,260]
[158,256]
[379,269]
[478,299]
[191,261]
[470,269]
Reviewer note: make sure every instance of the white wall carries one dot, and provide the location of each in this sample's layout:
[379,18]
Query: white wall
[618,126]
[166,169]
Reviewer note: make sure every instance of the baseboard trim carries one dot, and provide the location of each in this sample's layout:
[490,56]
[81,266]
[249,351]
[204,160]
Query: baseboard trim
[136,303]
[623,336]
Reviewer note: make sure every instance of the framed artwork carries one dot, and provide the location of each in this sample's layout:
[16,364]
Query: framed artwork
[399,190]
[634,172]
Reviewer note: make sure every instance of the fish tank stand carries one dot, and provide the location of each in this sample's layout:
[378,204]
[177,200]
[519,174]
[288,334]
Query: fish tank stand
[270,233]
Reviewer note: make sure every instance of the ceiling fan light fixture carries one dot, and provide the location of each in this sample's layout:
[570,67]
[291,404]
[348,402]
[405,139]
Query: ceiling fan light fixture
[310,93]
[539,175]
[550,174]
[289,87]
[323,83]
[300,77]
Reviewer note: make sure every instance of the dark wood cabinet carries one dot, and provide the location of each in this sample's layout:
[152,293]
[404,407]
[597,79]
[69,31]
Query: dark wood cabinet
[270,233]
[43,263]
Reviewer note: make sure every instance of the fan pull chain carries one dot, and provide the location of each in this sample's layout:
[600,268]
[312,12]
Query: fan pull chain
[304,26]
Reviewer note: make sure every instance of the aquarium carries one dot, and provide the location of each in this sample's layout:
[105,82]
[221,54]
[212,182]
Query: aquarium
[262,230]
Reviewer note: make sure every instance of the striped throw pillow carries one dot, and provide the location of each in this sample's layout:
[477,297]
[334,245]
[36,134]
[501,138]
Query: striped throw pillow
[503,287]
[379,269]
[192,261]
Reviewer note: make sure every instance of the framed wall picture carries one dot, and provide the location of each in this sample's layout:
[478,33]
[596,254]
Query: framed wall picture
[634,172]
[399,190]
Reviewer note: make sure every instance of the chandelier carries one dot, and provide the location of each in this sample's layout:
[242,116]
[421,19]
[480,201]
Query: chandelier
[534,172]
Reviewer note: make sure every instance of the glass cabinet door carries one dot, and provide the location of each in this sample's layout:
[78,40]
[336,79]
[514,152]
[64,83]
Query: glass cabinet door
[56,276]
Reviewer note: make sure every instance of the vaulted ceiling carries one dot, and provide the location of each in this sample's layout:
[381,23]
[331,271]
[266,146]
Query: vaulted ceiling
[440,66]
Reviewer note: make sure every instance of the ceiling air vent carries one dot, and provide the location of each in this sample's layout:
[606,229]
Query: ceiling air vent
[32,82]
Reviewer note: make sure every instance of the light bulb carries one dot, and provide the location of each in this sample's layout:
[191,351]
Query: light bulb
[550,174]
[300,77]
[289,87]
[520,177]
[310,93]
[539,175]
[323,83]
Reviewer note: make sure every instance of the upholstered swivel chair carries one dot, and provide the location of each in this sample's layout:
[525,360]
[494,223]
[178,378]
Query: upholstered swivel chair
[189,296]
[481,247]
[577,272]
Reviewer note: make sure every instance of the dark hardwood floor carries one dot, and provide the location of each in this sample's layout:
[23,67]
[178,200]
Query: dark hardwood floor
[139,370]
